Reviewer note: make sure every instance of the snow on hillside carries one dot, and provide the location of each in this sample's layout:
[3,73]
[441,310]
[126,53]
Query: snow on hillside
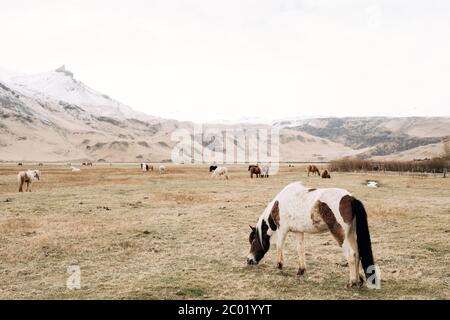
[60,85]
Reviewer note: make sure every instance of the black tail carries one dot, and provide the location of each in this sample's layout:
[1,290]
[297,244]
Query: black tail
[363,237]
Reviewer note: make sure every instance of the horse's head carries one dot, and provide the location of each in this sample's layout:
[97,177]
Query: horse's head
[259,243]
[36,174]
[260,235]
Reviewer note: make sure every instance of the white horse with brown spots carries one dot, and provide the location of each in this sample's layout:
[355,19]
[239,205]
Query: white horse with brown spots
[301,210]
[27,177]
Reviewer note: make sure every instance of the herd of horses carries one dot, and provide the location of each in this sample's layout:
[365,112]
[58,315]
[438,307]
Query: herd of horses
[263,172]
[27,177]
[145,167]
[299,210]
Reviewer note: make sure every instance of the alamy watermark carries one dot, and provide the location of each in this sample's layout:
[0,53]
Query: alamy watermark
[215,145]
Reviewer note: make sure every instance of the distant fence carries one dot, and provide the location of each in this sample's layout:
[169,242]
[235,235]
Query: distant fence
[435,165]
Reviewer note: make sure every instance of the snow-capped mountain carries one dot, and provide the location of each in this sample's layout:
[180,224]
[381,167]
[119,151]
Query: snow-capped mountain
[52,116]
[61,85]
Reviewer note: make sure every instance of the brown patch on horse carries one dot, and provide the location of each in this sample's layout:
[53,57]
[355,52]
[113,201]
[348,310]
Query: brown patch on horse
[345,208]
[330,220]
[312,189]
[274,217]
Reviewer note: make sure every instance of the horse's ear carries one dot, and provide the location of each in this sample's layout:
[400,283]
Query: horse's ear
[253,228]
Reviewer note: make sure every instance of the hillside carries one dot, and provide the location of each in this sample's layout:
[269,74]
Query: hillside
[52,116]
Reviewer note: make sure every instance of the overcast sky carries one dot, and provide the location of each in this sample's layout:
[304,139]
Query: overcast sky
[204,60]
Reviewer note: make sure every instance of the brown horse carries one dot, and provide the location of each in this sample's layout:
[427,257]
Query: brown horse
[255,170]
[326,175]
[313,169]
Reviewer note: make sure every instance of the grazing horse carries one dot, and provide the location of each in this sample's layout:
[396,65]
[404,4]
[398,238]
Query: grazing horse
[265,172]
[27,177]
[220,172]
[212,168]
[145,167]
[302,210]
[252,166]
[162,169]
[313,169]
[40,164]
[255,170]
[20,164]
[87,163]
[326,175]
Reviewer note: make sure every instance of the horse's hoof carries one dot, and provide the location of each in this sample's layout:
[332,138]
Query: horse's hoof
[301,271]
[280,265]
[351,285]
[361,279]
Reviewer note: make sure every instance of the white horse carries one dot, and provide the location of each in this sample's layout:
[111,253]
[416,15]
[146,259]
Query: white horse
[27,177]
[265,172]
[162,169]
[74,169]
[220,172]
[302,210]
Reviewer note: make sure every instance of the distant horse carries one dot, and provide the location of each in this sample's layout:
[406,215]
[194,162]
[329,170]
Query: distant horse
[40,164]
[220,172]
[313,169]
[162,169]
[74,169]
[20,164]
[255,170]
[301,210]
[326,175]
[252,166]
[212,168]
[291,165]
[265,172]
[145,167]
[27,177]
[87,163]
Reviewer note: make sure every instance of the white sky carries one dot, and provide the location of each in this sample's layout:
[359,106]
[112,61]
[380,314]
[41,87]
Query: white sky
[205,60]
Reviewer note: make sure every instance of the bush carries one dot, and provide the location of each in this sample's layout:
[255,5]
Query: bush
[427,165]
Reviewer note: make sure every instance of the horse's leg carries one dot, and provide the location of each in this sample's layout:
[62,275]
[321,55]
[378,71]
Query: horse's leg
[30,186]
[280,245]
[301,254]
[21,186]
[350,248]
[354,245]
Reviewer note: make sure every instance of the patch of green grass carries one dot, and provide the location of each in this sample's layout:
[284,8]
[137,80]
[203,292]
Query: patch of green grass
[191,292]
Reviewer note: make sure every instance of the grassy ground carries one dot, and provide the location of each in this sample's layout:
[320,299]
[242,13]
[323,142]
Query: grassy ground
[183,235]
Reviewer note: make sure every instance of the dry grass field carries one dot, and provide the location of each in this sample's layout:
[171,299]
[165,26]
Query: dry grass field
[183,235]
